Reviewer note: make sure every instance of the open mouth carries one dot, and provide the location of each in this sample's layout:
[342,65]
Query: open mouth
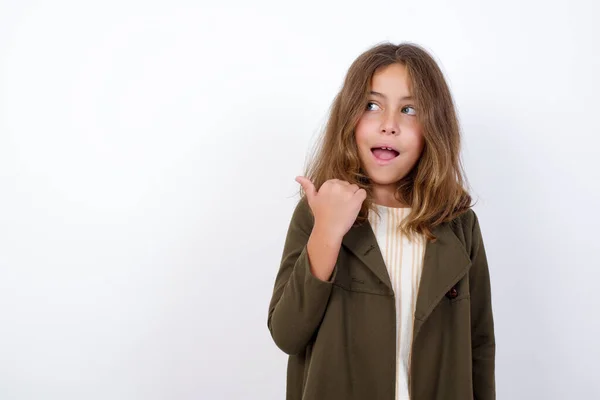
[384,153]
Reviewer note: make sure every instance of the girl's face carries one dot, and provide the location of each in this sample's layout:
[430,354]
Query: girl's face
[389,120]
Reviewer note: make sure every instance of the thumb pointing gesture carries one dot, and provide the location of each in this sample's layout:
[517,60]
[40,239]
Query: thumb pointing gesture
[308,187]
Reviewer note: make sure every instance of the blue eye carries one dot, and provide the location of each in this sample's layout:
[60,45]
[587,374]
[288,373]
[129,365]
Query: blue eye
[370,102]
[414,111]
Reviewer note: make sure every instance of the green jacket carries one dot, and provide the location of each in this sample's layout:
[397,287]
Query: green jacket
[340,335]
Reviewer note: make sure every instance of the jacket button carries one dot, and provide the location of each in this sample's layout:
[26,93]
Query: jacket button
[452,294]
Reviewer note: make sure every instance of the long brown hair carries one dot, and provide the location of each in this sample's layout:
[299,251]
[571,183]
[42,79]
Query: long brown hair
[434,187]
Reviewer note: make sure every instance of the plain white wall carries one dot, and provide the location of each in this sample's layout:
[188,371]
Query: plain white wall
[147,160]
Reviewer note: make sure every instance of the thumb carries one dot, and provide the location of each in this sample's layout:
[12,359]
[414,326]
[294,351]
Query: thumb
[308,187]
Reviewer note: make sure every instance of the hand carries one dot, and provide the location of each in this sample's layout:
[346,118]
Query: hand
[335,206]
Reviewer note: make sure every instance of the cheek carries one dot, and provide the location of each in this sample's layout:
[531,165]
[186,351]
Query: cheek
[414,133]
[420,140]
[361,132]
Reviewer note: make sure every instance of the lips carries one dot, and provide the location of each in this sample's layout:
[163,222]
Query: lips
[384,145]
[384,154]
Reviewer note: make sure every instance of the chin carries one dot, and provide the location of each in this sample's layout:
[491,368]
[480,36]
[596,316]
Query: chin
[385,180]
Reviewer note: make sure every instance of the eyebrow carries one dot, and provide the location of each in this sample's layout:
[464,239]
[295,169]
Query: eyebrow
[383,95]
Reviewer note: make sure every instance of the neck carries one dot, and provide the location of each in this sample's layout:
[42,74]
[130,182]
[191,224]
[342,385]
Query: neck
[384,196]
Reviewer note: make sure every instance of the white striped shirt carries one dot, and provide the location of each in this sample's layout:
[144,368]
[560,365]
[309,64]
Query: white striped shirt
[404,262]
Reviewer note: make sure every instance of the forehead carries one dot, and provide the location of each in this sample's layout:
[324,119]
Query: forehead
[391,78]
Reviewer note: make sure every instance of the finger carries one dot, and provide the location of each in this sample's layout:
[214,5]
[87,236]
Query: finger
[308,187]
[361,194]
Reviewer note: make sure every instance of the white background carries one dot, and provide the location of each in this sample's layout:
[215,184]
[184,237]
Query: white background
[147,160]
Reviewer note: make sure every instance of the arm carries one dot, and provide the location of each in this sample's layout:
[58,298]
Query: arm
[300,298]
[482,322]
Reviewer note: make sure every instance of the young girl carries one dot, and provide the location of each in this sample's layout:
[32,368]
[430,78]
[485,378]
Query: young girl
[383,290]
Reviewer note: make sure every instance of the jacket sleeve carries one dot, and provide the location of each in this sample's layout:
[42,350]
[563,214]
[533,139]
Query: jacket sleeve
[299,298]
[482,322]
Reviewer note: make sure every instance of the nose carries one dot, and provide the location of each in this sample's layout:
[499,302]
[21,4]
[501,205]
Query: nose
[389,125]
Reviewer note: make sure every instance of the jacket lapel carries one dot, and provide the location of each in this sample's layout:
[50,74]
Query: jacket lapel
[445,263]
[361,241]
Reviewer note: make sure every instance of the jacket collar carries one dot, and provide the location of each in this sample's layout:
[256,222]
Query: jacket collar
[445,263]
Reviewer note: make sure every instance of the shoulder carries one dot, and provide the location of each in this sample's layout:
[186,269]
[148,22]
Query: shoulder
[466,220]
[466,227]
[302,216]
[302,209]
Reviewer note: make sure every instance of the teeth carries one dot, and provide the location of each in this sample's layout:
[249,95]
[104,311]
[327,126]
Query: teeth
[386,148]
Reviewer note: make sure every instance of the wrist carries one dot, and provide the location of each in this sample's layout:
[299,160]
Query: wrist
[327,236]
